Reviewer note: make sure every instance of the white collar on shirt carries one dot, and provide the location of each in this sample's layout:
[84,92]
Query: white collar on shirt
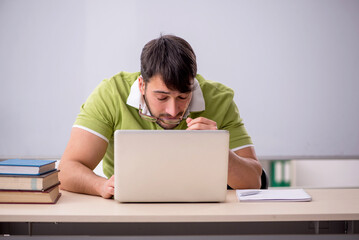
[197,104]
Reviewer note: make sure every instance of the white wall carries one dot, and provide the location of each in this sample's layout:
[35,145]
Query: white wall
[293,64]
[325,173]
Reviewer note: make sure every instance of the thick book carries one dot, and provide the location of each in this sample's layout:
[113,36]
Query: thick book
[49,196]
[26,166]
[29,182]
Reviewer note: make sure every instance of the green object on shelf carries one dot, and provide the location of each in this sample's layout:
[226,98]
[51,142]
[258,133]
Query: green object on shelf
[280,173]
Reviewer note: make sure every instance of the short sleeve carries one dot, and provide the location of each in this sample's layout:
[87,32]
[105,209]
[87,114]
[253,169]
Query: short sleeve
[232,122]
[97,114]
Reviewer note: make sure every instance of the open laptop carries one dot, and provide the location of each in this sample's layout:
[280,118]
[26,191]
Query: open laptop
[171,165]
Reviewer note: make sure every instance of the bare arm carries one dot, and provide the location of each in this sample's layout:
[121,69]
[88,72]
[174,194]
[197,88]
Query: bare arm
[244,169]
[82,154]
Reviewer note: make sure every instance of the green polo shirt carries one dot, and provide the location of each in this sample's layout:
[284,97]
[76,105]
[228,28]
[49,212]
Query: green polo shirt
[106,110]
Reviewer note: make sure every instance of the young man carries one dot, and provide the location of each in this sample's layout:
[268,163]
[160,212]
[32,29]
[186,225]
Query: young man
[167,94]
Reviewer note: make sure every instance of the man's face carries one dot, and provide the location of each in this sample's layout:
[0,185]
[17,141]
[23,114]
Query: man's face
[163,102]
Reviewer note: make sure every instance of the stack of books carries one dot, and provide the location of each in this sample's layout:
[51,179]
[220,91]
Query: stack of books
[29,181]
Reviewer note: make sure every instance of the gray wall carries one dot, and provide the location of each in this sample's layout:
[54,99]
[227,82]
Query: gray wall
[294,66]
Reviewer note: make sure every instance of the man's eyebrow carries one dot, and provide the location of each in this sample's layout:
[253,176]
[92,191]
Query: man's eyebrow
[160,91]
[164,92]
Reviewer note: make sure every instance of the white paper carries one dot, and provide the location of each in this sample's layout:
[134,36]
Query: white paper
[296,195]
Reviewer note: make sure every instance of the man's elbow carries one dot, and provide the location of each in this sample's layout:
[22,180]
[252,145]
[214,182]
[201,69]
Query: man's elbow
[252,180]
[257,179]
[63,175]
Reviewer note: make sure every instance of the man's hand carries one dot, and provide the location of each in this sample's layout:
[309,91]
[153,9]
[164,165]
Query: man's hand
[244,169]
[201,123]
[107,190]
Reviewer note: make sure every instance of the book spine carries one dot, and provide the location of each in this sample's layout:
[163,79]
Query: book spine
[35,184]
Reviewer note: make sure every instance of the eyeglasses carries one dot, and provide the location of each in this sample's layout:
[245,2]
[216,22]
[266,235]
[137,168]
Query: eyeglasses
[164,120]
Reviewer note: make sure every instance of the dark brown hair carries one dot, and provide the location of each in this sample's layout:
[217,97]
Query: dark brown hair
[173,59]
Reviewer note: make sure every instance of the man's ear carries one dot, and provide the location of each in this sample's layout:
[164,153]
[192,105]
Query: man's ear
[141,85]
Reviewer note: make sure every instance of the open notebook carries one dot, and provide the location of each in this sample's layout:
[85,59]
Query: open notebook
[296,195]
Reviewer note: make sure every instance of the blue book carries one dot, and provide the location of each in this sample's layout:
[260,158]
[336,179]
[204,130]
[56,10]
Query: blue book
[26,166]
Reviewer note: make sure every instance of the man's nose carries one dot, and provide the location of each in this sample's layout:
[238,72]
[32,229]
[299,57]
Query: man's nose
[172,108]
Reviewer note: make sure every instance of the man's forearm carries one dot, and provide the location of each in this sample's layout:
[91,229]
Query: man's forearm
[243,172]
[76,177]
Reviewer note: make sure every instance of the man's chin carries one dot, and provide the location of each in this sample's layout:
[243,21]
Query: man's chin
[167,126]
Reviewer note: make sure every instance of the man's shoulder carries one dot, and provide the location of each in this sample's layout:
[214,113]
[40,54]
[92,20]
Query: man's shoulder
[116,87]
[214,89]
[118,83]
[124,77]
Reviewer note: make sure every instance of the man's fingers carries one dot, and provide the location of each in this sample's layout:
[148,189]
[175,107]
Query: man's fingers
[200,120]
[109,188]
[202,127]
[201,123]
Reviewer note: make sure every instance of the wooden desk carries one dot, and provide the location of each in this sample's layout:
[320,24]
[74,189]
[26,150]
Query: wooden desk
[331,211]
